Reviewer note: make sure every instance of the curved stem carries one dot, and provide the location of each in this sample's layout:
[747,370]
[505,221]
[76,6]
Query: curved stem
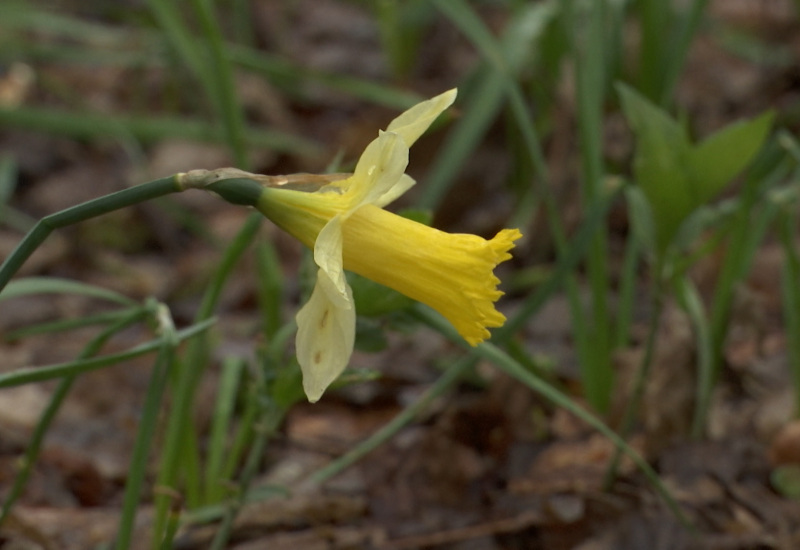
[79,213]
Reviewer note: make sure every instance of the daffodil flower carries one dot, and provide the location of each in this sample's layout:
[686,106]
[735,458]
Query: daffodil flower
[341,218]
[345,224]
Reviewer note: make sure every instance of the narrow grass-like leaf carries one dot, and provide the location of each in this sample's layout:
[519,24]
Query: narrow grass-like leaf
[270,417]
[147,427]
[84,125]
[230,109]
[176,450]
[656,18]
[63,325]
[691,302]
[228,389]
[28,375]
[749,226]
[505,363]
[294,79]
[688,22]
[483,105]
[588,46]
[55,285]
[8,181]
[189,52]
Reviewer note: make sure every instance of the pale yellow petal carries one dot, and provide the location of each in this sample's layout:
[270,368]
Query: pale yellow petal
[325,338]
[405,183]
[328,256]
[413,123]
[379,169]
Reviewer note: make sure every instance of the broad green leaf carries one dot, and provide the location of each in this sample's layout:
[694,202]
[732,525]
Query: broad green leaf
[641,216]
[660,164]
[720,157]
[676,176]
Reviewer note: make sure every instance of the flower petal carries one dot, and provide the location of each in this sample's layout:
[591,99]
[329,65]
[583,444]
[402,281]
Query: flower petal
[325,338]
[452,273]
[413,123]
[328,256]
[380,167]
[405,183]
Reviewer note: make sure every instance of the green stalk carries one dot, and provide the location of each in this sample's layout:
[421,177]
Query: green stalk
[595,351]
[147,428]
[79,213]
[270,418]
[230,380]
[679,49]
[86,125]
[187,378]
[223,82]
[656,19]
[8,181]
[692,304]
[504,62]
[189,52]
[742,243]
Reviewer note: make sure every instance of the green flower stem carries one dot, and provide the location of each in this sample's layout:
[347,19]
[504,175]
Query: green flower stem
[60,393]
[79,213]
[147,427]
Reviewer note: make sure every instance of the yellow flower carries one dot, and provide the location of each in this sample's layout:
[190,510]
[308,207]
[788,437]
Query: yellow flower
[342,219]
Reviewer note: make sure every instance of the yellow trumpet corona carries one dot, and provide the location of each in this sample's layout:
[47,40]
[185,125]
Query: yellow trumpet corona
[342,219]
